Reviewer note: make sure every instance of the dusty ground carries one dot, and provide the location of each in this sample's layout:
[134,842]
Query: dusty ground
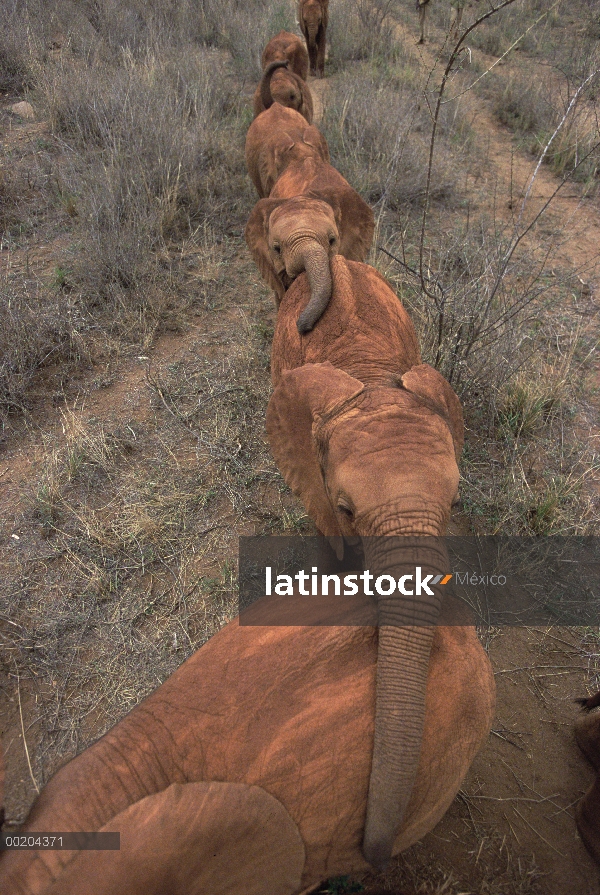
[511,830]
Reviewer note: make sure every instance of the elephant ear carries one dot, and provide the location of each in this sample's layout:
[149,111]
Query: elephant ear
[194,839]
[302,397]
[256,233]
[354,219]
[274,162]
[313,137]
[434,391]
[331,197]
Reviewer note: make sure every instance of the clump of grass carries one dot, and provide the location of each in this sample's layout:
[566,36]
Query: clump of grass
[533,113]
[37,326]
[528,402]
[500,32]
[362,31]
[378,126]
[16,61]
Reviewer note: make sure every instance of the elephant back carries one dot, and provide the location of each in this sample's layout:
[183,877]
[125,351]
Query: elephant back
[365,330]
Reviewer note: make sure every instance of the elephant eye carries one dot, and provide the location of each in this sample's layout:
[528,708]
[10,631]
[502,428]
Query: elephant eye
[331,240]
[345,510]
[277,249]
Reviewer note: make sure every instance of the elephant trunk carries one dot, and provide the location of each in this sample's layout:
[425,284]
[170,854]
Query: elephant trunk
[316,264]
[265,84]
[406,631]
[312,29]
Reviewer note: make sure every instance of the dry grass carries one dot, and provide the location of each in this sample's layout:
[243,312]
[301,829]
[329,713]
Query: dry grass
[127,527]
[377,125]
[131,530]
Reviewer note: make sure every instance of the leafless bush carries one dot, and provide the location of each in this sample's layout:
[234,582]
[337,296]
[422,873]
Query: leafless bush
[36,327]
[378,130]
[154,149]
[363,30]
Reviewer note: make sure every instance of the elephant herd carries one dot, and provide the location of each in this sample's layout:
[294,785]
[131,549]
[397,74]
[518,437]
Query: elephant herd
[276,757]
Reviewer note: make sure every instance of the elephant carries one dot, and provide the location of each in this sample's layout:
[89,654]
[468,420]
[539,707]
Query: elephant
[457,7]
[280,85]
[289,236]
[587,813]
[423,10]
[247,769]
[313,16]
[313,176]
[277,138]
[369,437]
[286,45]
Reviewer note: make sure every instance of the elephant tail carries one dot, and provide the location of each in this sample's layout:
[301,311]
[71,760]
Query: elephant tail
[265,84]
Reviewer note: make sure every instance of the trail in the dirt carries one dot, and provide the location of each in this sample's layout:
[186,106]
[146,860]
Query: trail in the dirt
[509,172]
[318,88]
[513,830]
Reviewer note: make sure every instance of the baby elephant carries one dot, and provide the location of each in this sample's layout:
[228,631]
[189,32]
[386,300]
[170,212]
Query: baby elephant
[289,236]
[277,139]
[313,16]
[282,86]
[286,46]
[247,770]
[587,733]
[368,437]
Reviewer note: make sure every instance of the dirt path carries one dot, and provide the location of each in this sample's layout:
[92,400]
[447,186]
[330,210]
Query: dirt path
[319,88]
[512,828]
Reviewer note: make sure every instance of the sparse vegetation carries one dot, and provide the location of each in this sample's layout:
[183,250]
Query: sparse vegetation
[122,208]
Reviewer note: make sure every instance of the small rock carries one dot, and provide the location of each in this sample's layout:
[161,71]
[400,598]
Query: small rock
[24,110]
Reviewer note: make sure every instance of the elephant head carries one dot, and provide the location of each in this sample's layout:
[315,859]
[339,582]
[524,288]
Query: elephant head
[280,85]
[372,462]
[289,236]
[311,13]
[286,45]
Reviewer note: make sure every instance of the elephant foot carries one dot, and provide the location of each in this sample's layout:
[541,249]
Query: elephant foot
[587,815]
[587,734]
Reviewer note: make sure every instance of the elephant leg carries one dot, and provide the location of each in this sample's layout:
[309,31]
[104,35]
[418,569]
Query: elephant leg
[312,55]
[321,44]
[456,20]
[587,815]
[422,22]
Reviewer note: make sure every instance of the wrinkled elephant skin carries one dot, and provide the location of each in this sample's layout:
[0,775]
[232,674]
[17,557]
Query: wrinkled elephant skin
[286,46]
[369,437]
[276,139]
[274,729]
